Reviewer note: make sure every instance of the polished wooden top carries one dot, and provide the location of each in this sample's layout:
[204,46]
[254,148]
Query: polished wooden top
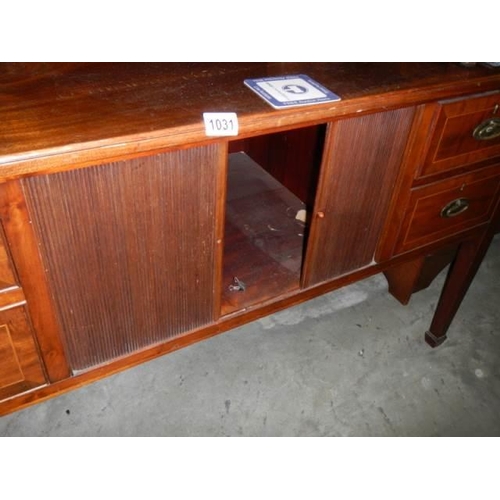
[76,113]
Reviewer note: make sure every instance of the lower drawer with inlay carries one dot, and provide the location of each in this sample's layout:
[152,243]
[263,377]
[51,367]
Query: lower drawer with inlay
[437,211]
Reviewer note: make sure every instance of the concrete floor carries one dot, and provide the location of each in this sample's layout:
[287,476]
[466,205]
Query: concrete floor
[350,363]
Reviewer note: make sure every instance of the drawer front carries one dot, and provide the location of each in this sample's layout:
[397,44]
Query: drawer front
[7,276]
[465,131]
[439,210]
[20,366]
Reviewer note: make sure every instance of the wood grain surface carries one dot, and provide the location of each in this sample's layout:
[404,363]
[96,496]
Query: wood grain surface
[25,253]
[57,116]
[7,276]
[130,250]
[123,260]
[264,243]
[423,223]
[361,164]
[20,367]
[451,144]
[293,158]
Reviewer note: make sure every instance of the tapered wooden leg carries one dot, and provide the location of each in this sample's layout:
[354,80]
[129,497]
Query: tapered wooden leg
[462,271]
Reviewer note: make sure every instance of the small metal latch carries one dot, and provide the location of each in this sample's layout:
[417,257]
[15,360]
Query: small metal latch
[237,286]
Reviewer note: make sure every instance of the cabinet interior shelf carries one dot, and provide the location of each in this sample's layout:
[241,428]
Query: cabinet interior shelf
[264,241]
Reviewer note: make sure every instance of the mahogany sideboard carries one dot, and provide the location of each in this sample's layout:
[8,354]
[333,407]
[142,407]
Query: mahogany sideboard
[126,232]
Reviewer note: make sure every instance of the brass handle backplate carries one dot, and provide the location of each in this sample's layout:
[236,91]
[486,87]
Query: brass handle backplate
[487,130]
[455,207]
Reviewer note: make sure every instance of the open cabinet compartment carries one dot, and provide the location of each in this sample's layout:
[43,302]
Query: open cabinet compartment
[271,186]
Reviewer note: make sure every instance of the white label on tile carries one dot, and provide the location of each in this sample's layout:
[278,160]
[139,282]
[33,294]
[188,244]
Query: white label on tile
[220,124]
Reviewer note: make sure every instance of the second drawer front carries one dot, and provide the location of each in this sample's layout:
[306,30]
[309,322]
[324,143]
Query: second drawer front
[440,210]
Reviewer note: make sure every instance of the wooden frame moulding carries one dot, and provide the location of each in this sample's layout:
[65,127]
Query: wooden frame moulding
[27,260]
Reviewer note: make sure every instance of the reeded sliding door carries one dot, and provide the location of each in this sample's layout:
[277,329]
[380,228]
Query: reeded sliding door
[130,249]
[361,162]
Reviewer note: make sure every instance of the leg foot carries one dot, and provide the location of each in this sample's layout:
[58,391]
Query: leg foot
[467,261]
[432,340]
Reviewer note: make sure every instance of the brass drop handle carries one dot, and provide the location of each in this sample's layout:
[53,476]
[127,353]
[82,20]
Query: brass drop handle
[487,130]
[455,207]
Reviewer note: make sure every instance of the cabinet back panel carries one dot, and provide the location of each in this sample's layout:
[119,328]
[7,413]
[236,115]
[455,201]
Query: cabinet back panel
[293,158]
[129,250]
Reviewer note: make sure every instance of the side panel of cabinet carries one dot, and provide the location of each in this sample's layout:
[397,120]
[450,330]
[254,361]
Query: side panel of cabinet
[26,270]
[130,249]
[361,162]
[20,366]
[7,275]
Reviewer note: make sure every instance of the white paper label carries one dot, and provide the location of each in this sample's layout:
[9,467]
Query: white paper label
[220,124]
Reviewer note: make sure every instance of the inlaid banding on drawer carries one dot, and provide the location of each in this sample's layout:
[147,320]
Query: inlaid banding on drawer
[440,210]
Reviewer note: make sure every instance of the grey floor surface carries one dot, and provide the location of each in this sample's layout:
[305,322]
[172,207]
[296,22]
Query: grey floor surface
[350,363]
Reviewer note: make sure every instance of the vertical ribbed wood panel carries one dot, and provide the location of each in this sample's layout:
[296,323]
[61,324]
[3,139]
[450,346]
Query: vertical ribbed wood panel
[129,249]
[360,166]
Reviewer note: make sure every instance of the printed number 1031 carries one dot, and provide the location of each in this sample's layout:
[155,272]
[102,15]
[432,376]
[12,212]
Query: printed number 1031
[221,125]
